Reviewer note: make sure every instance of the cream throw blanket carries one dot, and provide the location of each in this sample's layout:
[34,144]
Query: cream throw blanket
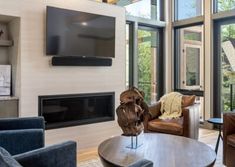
[171,105]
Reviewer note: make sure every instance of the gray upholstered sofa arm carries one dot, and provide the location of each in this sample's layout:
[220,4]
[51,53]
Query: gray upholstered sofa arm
[60,155]
[20,141]
[22,123]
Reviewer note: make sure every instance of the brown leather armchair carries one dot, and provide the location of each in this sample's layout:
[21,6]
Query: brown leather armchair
[229,139]
[187,125]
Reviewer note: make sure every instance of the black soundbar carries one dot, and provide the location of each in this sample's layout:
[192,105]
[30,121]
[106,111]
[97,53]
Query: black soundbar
[80,61]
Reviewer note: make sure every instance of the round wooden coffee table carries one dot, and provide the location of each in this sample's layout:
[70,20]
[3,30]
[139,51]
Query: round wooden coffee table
[162,149]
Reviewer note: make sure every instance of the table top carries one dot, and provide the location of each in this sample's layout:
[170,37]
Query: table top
[218,121]
[163,149]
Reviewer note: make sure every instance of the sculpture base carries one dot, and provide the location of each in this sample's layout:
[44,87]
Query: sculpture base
[134,143]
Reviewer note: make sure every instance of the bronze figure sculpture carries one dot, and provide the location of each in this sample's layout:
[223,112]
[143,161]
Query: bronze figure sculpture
[130,111]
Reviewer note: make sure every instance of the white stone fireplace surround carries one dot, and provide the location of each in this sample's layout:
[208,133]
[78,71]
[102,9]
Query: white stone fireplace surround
[36,76]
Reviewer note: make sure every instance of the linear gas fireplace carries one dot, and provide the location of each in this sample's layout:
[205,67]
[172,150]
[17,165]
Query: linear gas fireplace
[76,109]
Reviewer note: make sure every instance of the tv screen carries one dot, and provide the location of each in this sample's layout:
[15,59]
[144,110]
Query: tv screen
[75,33]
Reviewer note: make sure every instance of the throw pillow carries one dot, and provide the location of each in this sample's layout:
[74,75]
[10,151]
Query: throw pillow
[6,160]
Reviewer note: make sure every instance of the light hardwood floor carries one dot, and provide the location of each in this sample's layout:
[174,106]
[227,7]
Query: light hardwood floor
[206,136]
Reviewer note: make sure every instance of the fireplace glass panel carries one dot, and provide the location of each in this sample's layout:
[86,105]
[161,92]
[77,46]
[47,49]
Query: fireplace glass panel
[68,110]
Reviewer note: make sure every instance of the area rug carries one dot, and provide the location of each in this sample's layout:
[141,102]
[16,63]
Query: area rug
[97,163]
[90,163]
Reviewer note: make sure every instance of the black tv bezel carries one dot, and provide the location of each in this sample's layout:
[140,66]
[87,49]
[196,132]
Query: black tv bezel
[46,46]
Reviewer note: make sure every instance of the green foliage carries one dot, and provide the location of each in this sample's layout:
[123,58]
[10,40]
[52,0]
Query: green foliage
[225,5]
[144,63]
[228,32]
[227,73]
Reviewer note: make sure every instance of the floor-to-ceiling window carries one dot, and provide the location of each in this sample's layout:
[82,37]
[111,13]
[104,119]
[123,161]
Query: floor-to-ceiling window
[190,58]
[227,64]
[189,49]
[144,42]
[144,46]
[147,62]
[224,62]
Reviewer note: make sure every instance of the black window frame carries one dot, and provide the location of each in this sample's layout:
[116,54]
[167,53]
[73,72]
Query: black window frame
[176,67]
[217,64]
[160,55]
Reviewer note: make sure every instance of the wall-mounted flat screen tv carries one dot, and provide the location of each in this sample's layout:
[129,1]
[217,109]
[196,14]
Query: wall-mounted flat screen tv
[75,33]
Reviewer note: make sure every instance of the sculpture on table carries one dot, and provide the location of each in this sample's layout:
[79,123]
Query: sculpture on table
[131,112]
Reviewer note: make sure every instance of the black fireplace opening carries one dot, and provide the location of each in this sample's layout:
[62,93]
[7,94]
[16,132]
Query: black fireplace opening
[76,109]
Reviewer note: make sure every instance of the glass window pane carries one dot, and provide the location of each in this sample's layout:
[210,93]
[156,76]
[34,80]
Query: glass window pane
[188,8]
[148,9]
[192,35]
[227,56]
[189,58]
[225,5]
[192,66]
[147,54]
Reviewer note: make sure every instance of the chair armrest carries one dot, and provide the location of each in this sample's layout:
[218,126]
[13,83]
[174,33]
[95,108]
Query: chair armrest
[59,155]
[22,123]
[191,121]
[228,123]
[228,129]
[19,141]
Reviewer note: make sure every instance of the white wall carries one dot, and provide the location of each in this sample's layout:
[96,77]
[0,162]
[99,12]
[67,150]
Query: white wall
[38,77]
[168,47]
